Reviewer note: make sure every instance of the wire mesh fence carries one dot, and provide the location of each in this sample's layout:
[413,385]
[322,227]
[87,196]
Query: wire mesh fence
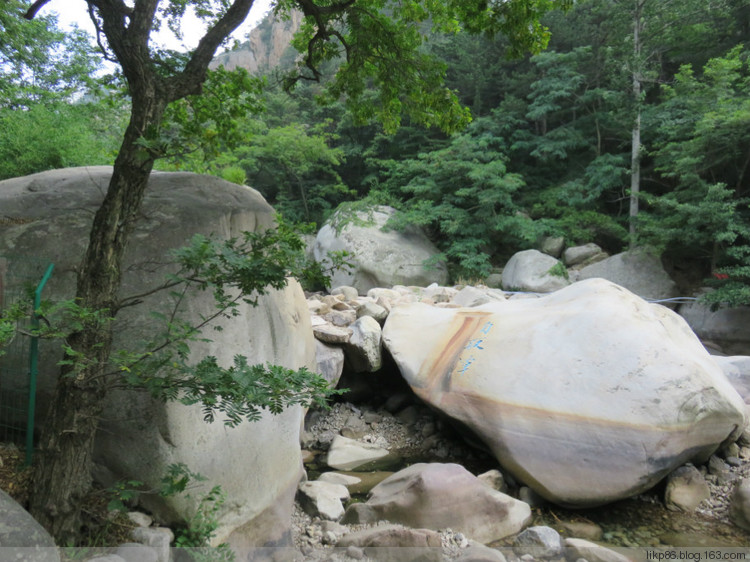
[20,279]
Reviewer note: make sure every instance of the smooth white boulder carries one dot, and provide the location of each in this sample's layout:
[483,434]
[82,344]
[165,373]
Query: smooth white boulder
[380,257]
[533,271]
[587,395]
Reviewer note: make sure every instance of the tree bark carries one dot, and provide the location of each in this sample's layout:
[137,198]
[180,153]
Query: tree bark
[635,154]
[62,474]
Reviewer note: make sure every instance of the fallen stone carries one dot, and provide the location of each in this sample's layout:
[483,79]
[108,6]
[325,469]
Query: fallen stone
[364,351]
[630,393]
[323,499]
[393,543]
[579,254]
[535,272]
[540,542]
[438,496]
[480,553]
[592,552]
[686,489]
[332,334]
[21,537]
[348,454]
[158,538]
[739,505]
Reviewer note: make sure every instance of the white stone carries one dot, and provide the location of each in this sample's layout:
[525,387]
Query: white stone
[364,350]
[592,552]
[348,454]
[380,257]
[533,271]
[323,499]
[591,378]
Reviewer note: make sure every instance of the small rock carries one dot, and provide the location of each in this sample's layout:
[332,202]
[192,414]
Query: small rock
[409,415]
[349,293]
[332,334]
[686,489]
[526,494]
[373,310]
[495,480]
[540,542]
[355,552]
[136,552]
[592,552]
[140,519]
[348,454]
[582,530]
[739,506]
[323,499]
[480,553]
[158,538]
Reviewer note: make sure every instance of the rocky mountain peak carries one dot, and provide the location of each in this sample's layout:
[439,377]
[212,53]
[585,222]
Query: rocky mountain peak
[265,46]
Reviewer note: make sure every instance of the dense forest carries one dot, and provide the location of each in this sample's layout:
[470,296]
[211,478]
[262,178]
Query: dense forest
[632,129]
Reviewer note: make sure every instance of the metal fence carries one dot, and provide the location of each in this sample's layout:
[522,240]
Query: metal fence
[21,281]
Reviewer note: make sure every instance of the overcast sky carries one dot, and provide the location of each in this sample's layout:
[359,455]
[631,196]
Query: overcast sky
[75,11]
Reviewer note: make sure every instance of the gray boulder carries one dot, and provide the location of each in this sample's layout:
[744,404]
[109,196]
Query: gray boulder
[535,272]
[381,257]
[591,377]
[540,542]
[139,437]
[737,370]
[21,537]
[438,496]
[639,272]
[579,254]
[727,327]
[686,489]
[363,350]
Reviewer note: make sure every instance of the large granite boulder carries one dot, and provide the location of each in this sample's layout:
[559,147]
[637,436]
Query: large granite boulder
[587,395]
[438,496]
[381,257]
[258,465]
[638,271]
[21,537]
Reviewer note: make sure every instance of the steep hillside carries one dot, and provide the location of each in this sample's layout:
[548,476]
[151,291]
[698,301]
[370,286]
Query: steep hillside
[265,46]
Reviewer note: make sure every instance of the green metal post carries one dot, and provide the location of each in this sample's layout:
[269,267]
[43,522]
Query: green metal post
[34,365]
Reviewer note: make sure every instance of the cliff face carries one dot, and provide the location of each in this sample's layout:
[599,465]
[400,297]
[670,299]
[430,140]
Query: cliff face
[265,45]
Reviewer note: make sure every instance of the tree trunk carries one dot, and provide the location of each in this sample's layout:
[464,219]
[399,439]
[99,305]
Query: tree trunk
[62,475]
[635,154]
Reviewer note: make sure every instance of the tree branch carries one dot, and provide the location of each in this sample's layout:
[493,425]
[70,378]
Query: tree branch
[35,7]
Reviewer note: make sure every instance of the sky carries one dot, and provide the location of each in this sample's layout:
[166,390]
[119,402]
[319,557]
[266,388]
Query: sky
[75,11]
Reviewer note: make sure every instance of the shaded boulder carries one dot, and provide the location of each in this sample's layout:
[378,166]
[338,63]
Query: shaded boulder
[21,537]
[727,327]
[737,370]
[533,271]
[639,272]
[438,496]
[260,462]
[381,257]
[576,255]
[686,489]
[592,378]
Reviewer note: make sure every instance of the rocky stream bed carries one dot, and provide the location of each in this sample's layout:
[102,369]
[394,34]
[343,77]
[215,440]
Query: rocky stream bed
[414,433]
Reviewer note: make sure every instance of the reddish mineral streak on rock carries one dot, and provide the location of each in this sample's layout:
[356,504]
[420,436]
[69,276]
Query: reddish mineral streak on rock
[436,374]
